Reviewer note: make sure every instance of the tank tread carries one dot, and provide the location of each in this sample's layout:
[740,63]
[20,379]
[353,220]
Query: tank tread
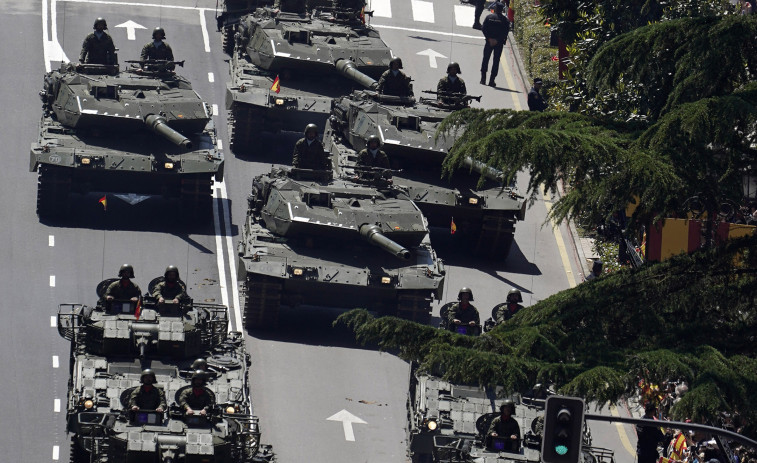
[78,454]
[415,306]
[53,190]
[262,302]
[228,40]
[240,129]
[196,196]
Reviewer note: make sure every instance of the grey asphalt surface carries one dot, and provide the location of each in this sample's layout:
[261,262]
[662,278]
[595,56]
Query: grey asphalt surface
[302,374]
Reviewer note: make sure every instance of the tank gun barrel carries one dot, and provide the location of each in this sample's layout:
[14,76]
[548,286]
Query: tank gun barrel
[348,69]
[159,125]
[479,167]
[373,234]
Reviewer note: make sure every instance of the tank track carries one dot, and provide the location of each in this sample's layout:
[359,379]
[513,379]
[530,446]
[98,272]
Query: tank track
[240,129]
[78,454]
[228,40]
[53,190]
[196,196]
[415,306]
[262,302]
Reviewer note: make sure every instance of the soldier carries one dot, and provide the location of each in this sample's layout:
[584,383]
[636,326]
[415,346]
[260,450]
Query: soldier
[596,270]
[98,47]
[451,84]
[124,288]
[158,49]
[393,81]
[535,100]
[291,6]
[507,310]
[495,28]
[196,398]
[506,427]
[463,312]
[373,155]
[199,364]
[147,396]
[170,289]
[309,153]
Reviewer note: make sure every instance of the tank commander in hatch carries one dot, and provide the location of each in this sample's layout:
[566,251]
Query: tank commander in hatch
[170,290]
[124,288]
[309,152]
[393,81]
[147,396]
[451,86]
[196,399]
[291,6]
[98,47]
[506,427]
[463,312]
[373,155]
[158,49]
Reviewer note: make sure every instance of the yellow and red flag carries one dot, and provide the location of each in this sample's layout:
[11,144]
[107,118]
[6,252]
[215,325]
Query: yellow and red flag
[362,14]
[104,202]
[276,86]
[138,310]
[452,227]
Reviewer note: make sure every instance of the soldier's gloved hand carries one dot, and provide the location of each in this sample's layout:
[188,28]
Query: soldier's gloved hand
[159,409]
[203,412]
[134,299]
[161,300]
[514,437]
[494,434]
[472,323]
[175,301]
[134,408]
[456,321]
[190,411]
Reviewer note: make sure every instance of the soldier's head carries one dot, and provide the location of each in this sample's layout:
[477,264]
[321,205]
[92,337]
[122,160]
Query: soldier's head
[650,409]
[171,274]
[311,131]
[596,267]
[465,295]
[148,377]
[395,64]
[198,378]
[514,296]
[126,271]
[499,7]
[158,33]
[453,69]
[537,83]
[374,142]
[507,408]
[100,24]
[199,364]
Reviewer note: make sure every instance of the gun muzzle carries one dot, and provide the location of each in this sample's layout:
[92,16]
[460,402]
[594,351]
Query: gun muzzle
[159,125]
[348,69]
[373,234]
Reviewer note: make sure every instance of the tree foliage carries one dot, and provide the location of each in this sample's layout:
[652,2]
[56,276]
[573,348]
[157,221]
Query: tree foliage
[692,318]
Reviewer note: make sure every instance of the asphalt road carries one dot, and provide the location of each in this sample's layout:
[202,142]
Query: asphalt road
[303,374]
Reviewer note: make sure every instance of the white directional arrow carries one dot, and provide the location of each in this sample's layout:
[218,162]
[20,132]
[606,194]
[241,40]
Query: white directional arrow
[131,26]
[347,419]
[432,55]
[132,198]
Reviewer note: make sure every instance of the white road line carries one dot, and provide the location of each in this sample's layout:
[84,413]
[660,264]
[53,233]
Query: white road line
[219,144]
[381,8]
[464,15]
[51,240]
[204,26]
[215,109]
[53,321]
[156,5]
[51,49]
[424,31]
[232,263]
[219,250]
[52,281]
[56,361]
[423,11]
[56,406]
[211,77]
[56,452]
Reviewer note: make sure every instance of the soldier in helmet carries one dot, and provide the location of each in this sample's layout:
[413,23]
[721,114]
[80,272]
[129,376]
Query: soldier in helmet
[196,399]
[158,49]
[199,364]
[170,289]
[147,396]
[373,155]
[510,308]
[393,81]
[463,312]
[98,47]
[451,85]
[506,427]
[124,288]
[309,152]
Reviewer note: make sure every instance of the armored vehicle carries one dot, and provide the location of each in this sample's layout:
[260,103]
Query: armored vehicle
[298,53]
[228,17]
[484,216]
[114,343]
[450,423]
[310,239]
[143,131]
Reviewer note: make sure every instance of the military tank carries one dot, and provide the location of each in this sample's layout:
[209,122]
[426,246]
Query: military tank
[228,15]
[143,131]
[111,345]
[484,216]
[301,51]
[449,423]
[313,240]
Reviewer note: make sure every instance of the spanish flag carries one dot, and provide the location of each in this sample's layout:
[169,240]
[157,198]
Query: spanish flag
[362,15]
[138,309]
[104,202]
[452,227]
[276,86]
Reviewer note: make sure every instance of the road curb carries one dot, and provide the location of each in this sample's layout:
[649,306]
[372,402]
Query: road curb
[519,62]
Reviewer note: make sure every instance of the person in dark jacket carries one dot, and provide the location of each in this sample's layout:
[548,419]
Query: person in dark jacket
[309,152]
[495,28]
[535,100]
[98,47]
[373,155]
[393,81]
[147,396]
[648,437]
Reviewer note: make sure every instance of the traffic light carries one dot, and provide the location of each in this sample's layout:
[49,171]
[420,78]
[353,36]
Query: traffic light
[563,430]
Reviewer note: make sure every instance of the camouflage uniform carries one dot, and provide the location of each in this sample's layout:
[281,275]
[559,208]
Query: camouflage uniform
[150,51]
[505,312]
[505,429]
[148,400]
[196,401]
[291,6]
[310,156]
[98,50]
[365,158]
[169,290]
[121,292]
[464,315]
[397,85]
[446,85]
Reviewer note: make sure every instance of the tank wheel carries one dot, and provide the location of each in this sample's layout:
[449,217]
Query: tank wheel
[78,454]
[196,198]
[240,130]
[228,40]
[415,306]
[262,302]
[53,190]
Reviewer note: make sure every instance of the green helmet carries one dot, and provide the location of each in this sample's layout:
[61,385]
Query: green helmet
[171,268]
[514,296]
[126,271]
[455,66]
[508,404]
[100,21]
[199,374]
[397,60]
[147,372]
[311,127]
[373,138]
[199,365]
[160,32]
[465,290]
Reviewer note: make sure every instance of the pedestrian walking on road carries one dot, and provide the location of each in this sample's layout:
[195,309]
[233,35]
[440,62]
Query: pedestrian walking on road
[535,100]
[495,28]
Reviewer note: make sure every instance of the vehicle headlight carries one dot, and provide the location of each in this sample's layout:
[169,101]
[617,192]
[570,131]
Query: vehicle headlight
[88,404]
[230,410]
[431,425]
[386,280]
[473,201]
[279,101]
[297,272]
[86,161]
[168,165]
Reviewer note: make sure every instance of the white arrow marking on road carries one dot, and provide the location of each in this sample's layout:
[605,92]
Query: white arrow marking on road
[131,26]
[432,55]
[347,419]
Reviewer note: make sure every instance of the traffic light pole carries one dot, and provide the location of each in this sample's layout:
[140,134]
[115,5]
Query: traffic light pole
[675,425]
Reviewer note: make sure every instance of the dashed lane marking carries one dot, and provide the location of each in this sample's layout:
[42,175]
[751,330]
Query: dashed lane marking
[423,11]
[381,8]
[53,321]
[51,240]
[215,109]
[464,15]
[56,406]
[205,37]
[211,77]
[220,145]
[426,31]
[52,281]
[56,452]
[56,361]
